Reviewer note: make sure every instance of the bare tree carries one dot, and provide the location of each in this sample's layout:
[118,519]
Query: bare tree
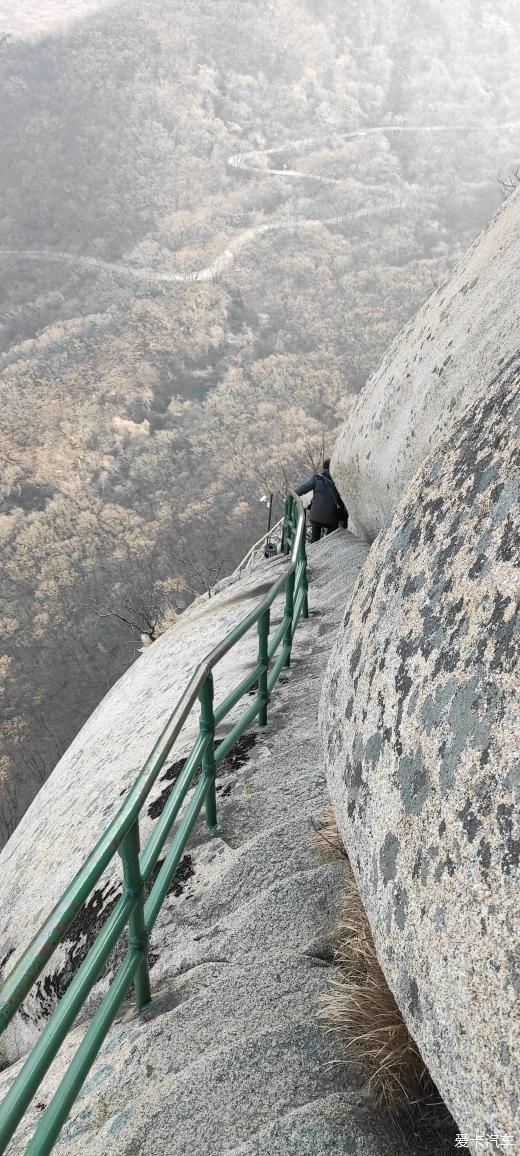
[316,457]
[276,482]
[206,576]
[508,182]
[141,605]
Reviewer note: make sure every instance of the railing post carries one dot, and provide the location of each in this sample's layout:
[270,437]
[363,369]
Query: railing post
[209,769]
[137,935]
[305,579]
[287,525]
[289,609]
[263,662]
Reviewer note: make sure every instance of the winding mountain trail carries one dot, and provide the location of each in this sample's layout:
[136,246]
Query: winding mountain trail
[243,160]
[246,162]
[209,272]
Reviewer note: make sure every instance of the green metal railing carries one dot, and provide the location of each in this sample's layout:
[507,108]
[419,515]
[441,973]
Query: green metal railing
[135,911]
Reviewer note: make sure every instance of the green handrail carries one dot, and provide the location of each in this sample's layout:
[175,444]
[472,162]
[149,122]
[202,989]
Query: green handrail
[134,911]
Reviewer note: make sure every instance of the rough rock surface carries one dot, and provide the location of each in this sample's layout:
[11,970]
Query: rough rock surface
[420,721]
[85,790]
[230,1057]
[440,362]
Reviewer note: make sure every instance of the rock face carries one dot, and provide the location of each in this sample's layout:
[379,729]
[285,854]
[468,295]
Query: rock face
[420,722]
[82,795]
[229,1058]
[442,361]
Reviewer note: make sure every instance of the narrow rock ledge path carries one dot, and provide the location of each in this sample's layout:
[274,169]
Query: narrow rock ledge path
[230,1057]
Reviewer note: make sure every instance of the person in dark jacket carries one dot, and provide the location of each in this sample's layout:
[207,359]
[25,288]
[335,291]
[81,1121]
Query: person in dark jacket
[327,508]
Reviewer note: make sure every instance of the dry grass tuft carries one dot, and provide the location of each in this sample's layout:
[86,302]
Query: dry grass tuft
[327,839]
[361,1008]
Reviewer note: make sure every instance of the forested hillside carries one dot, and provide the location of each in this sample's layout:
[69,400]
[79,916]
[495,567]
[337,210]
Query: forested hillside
[204,251]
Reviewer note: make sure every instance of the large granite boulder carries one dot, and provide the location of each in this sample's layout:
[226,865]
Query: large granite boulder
[419,718]
[442,361]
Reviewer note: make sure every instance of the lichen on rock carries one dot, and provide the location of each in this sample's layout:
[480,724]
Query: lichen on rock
[420,719]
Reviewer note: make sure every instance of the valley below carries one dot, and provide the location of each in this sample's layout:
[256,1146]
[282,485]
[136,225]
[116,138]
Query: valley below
[214,218]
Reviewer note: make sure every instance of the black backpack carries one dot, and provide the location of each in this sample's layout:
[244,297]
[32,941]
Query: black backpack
[340,505]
